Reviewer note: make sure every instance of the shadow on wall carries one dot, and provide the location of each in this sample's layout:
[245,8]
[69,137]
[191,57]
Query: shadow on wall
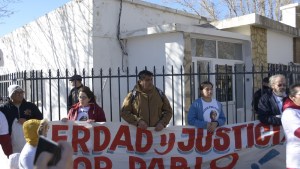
[59,40]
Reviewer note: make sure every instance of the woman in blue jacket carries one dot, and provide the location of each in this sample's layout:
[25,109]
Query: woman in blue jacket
[206,112]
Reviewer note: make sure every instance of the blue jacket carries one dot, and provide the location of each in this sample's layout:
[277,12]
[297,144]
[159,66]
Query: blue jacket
[195,115]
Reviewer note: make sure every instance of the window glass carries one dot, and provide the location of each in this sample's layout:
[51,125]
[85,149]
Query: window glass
[204,48]
[227,50]
[224,79]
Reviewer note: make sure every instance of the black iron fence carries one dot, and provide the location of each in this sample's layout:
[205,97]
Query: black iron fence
[234,87]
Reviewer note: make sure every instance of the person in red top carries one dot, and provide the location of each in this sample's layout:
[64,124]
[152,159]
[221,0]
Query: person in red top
[86,109]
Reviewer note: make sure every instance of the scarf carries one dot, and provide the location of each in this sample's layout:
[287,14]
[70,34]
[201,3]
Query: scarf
[288,103]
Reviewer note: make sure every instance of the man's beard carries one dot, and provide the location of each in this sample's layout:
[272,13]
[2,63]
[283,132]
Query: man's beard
[279,93]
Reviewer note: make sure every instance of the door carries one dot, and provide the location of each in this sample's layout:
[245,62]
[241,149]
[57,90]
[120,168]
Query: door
[226,84]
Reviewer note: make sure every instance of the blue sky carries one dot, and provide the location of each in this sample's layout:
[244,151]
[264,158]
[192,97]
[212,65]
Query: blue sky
[30,10]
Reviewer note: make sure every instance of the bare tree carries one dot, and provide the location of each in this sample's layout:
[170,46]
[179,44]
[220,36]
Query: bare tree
[262,7]
[271,9]
[231,5]
[213,8]
[5,9]
[210,8]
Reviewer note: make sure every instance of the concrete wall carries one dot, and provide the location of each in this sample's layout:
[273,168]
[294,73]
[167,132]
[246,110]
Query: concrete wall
[82,35]
[134,15]
[61,39]
[280,48]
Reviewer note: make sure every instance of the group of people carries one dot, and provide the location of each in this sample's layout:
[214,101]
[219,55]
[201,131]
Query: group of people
[82,106]
[147,106]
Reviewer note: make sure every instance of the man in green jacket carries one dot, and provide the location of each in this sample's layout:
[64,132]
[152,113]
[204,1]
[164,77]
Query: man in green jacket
[146,106]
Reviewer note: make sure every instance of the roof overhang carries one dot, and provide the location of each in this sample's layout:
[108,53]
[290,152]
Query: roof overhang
[256,20]
[175,27]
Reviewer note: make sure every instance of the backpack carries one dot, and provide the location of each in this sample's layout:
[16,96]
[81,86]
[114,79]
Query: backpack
[134,93]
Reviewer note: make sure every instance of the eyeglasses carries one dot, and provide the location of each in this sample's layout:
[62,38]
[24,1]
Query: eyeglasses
[82,97]
[281,85]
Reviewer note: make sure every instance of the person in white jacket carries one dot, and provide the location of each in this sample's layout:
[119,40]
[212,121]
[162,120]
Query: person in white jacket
[291,124]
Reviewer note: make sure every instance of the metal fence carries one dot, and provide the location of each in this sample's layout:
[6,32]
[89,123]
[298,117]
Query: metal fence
[234,87]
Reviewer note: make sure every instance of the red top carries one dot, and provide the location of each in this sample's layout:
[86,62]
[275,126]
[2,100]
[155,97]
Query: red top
[95,112]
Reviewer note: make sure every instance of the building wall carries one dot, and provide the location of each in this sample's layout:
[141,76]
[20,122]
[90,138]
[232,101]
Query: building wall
[296,49]
[61,39]
[82,35]
[280,48]
[135,15]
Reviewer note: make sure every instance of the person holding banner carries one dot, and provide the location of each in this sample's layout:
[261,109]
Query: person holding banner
[146,105]
[86,109]
[270,104]
[206,112]
[291,125]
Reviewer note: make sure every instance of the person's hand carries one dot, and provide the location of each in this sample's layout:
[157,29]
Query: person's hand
[142,124]
[65,162]
[64,119]
[21,120]
[159,126]
[211,126]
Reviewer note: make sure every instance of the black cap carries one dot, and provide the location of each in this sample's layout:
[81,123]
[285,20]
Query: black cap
[75,77]
[266,80]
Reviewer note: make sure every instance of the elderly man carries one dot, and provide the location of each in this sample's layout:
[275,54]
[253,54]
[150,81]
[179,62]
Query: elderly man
[270,104]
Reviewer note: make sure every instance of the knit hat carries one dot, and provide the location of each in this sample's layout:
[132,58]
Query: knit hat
[12,88]
[32,129]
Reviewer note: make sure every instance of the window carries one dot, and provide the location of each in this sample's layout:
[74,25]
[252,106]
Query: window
[232,51]
[209,48]
[204,48]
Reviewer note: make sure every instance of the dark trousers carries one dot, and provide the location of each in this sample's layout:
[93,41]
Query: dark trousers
[5,142]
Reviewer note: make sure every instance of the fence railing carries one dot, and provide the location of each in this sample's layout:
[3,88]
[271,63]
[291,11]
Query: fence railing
[233,86]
